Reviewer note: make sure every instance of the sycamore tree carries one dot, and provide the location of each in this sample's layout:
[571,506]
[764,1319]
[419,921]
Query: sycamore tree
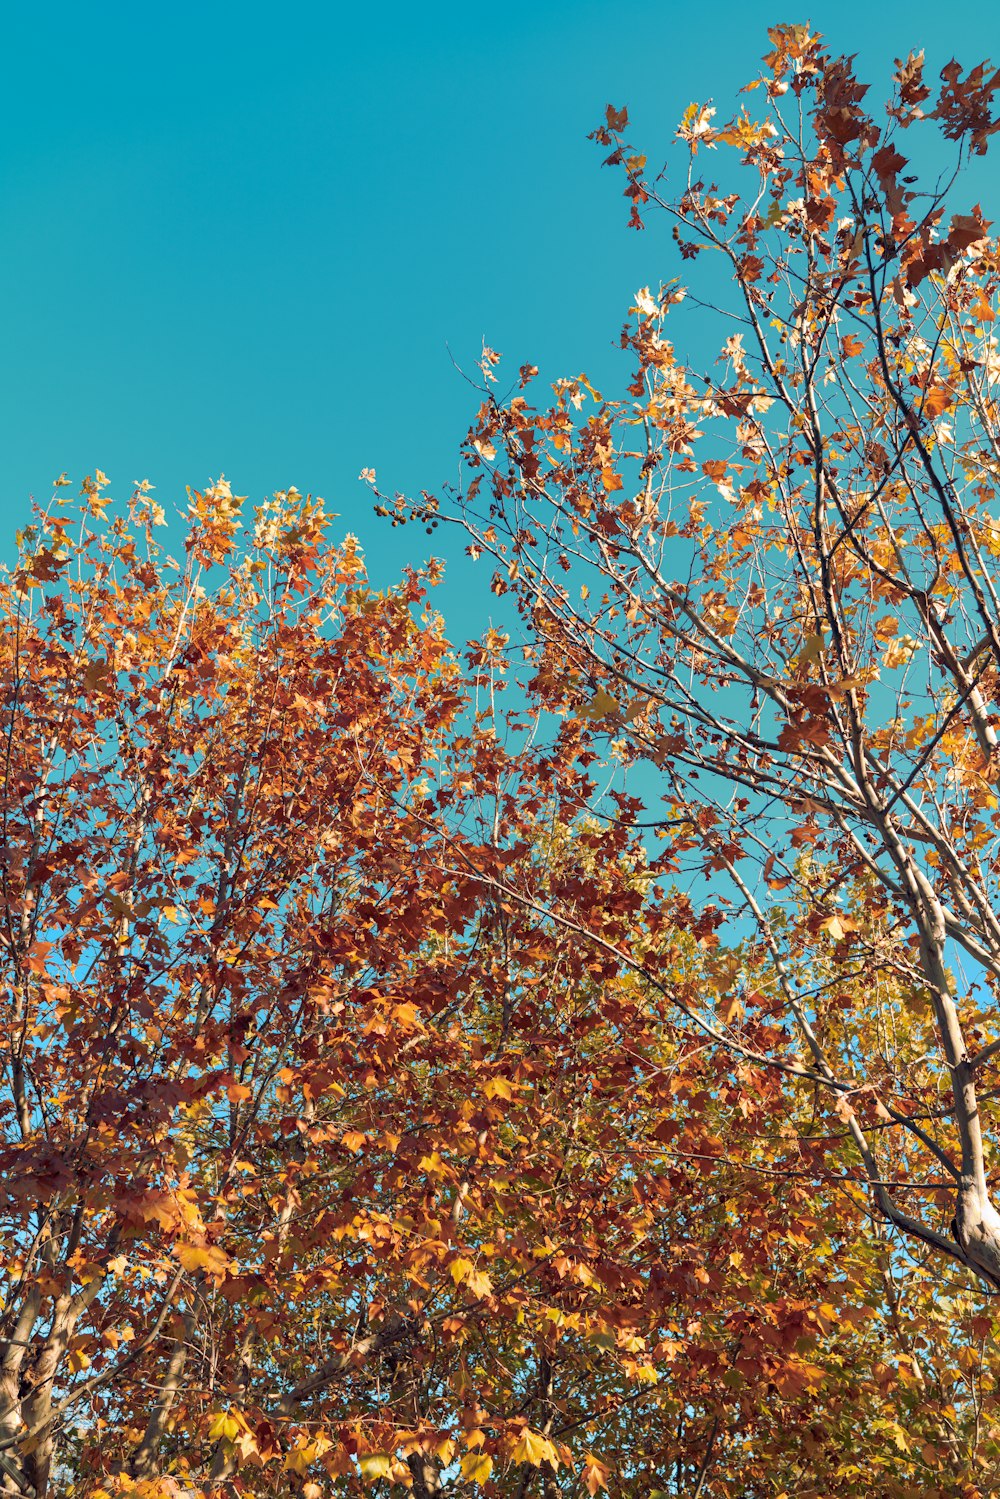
[353,1138]
[770,571]
[383,1107]
[326,1163]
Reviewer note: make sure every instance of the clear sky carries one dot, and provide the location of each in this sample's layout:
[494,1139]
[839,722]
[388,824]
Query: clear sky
[250,238]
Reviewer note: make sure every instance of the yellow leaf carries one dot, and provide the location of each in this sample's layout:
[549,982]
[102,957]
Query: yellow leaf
[298,1459]
[838,926]
[479,1283]
[375,1465]
[811,650]
[477,1466]
[636,708]
[225,1424]
[595,1474]
[406,1015]
[535,1449]
[460,1269]
[900,651]
[208,1257]
[981,310]
[797,1377]
[601,705]
[732,1008]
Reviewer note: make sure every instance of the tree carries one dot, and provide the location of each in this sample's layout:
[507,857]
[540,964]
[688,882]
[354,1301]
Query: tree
[378,1110]
[323,1161]
[198,787]
[775,585]
[331,1158]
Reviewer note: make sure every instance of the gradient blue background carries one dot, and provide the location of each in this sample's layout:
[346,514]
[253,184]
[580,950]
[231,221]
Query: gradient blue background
[244,238]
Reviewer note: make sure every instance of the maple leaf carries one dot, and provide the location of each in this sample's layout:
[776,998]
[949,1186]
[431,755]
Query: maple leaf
[601,705]
[595,1474]
[207,1257]
[477,1467]
[375,1465]
[812,650]
[796,1376]
[838,925]
[531,1447]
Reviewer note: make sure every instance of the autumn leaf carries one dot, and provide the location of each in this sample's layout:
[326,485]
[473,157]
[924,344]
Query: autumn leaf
[601,705]
[477,1466]
[838,925]
[460,1269]
[207,1257]
[531,1447]
[811,651]
[595,1474]
[375,1465]
[796,1376]
[227,1425]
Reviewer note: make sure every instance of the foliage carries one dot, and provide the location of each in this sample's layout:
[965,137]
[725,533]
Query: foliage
[776,584]
[379,1111]
[774,587]
[324,1162]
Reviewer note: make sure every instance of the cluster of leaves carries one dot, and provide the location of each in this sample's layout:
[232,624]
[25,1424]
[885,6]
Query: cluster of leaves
[324,1159]
[775,584]
[774,587]
[346,1140]
[377,1110]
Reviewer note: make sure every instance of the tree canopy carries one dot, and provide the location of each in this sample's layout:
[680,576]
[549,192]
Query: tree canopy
[565,1063]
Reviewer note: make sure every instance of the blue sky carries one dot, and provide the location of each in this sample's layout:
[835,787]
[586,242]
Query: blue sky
[252,238]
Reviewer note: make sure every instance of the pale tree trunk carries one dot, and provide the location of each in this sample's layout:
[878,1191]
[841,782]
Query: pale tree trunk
[143,1461]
